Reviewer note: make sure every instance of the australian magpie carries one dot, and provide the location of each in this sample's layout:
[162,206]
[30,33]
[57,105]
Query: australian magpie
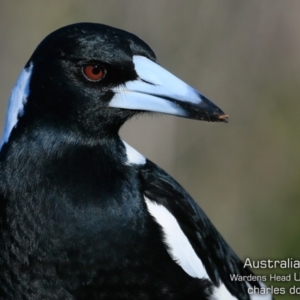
[83,215]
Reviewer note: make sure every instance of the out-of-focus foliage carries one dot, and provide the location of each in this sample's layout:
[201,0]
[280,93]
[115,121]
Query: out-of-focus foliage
[243,55]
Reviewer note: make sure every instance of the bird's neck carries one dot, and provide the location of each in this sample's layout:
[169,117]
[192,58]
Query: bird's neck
[63,192]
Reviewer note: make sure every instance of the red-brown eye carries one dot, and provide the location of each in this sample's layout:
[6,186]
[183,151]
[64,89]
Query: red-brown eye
[93,72]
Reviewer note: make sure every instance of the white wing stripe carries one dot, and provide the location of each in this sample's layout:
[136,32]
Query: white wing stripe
[178,245]
[180,248]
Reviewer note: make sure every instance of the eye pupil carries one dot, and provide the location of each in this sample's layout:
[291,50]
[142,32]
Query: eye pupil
[96,70]
[93,72]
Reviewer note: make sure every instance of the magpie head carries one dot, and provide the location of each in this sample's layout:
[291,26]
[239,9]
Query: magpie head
[92,78]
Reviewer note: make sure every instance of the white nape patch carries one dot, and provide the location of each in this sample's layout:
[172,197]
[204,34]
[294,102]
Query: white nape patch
[133,156]
[180,249]
[16,103]
[154,90]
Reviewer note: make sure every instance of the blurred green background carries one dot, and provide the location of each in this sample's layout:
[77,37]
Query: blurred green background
[244,56]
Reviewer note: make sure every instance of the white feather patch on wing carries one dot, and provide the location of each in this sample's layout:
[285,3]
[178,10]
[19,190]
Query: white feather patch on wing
[179,246]
[16,103]
[221,293]
[180,249]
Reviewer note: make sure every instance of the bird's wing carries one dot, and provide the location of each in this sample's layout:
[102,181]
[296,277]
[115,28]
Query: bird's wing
[191,239]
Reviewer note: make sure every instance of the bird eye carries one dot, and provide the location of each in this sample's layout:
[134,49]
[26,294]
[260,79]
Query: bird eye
[93,72]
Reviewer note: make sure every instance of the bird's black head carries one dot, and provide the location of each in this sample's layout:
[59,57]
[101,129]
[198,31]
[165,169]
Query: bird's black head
[92,78]
[75,70]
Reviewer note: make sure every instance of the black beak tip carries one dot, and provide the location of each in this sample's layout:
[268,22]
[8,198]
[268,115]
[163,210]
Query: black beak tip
[213,112]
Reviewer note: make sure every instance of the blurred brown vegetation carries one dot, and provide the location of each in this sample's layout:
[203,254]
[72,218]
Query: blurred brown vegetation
[243,55]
